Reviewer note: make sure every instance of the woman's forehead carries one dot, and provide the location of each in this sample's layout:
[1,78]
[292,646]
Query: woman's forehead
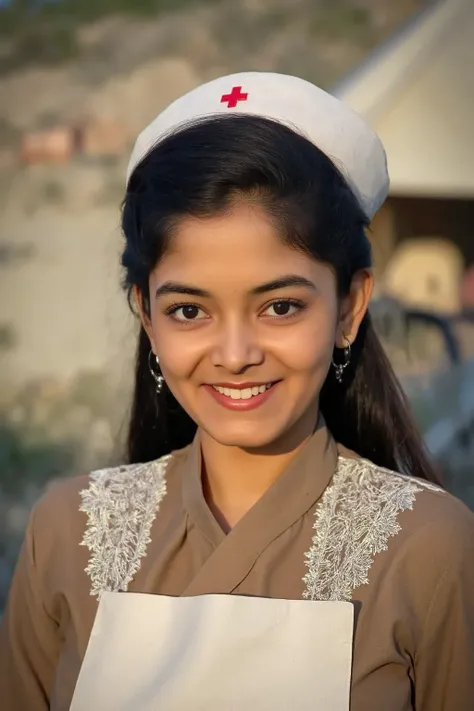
[244,238]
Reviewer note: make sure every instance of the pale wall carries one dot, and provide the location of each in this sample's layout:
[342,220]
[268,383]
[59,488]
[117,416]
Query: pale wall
[417,91]
[428,131]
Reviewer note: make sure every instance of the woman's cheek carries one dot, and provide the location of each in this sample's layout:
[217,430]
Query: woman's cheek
[305,347]
[180,352]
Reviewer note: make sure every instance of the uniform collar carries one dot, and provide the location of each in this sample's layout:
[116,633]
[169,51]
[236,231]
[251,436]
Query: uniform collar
[296,491]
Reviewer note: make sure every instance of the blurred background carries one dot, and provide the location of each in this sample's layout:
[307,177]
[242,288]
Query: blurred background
[80,78]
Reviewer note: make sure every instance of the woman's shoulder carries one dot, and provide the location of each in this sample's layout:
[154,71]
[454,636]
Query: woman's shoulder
[61,509]
[403,505]
[388,526]
[77,523]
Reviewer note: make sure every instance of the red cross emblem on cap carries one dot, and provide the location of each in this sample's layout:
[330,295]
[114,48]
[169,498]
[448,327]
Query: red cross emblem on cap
[234,97]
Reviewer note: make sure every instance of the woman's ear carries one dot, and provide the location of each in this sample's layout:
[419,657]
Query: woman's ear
[354,307]
[144,315]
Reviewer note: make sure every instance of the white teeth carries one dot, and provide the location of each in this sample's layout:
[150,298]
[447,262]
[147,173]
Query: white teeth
[244,393]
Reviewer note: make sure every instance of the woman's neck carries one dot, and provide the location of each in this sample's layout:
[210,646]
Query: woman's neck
[234,479]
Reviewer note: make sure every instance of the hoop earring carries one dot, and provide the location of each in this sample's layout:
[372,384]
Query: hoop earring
[339,368]
[157,377]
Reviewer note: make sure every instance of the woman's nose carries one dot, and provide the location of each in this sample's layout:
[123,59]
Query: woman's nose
[237,348]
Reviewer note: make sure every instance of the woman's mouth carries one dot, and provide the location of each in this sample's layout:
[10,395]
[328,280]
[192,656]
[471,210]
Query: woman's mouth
[246,396]
[242,393]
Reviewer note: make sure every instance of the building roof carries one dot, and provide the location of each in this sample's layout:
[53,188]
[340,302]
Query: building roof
[417,91]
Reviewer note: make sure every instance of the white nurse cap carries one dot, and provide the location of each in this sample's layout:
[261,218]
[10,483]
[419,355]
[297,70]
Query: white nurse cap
[331,125]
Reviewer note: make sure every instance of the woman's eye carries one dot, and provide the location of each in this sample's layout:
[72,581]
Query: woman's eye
[188,312]
[282,308]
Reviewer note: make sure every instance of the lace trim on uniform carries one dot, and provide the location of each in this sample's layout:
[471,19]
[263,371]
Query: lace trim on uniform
[121,505]
[356,517]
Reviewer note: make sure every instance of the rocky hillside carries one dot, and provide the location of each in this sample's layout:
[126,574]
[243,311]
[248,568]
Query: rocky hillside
[62,67]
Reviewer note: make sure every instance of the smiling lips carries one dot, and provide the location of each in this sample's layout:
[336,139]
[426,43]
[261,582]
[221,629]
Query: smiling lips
[245,397]
[242,393]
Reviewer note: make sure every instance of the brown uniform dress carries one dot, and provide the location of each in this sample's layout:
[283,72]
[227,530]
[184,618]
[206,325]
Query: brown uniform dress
[333,526]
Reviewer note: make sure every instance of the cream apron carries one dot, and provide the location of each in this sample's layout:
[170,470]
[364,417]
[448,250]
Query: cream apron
[216,653]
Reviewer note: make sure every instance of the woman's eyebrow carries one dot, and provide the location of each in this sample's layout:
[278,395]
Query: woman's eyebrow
[174,287]
[283,282]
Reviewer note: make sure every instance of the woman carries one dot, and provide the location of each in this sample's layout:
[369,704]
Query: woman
[271,556]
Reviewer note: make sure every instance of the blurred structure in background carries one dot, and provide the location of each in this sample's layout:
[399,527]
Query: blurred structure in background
[417,90]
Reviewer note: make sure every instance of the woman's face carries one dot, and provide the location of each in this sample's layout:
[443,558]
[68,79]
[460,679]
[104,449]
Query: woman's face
[244,328]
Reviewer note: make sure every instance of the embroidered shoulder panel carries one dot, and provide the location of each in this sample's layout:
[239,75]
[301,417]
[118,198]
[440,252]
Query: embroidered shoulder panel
[356,517]
[121,505]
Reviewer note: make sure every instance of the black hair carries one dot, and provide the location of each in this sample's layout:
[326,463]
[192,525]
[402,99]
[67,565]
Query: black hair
[198,171]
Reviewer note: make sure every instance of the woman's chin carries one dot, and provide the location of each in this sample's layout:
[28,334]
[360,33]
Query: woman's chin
[246,435]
